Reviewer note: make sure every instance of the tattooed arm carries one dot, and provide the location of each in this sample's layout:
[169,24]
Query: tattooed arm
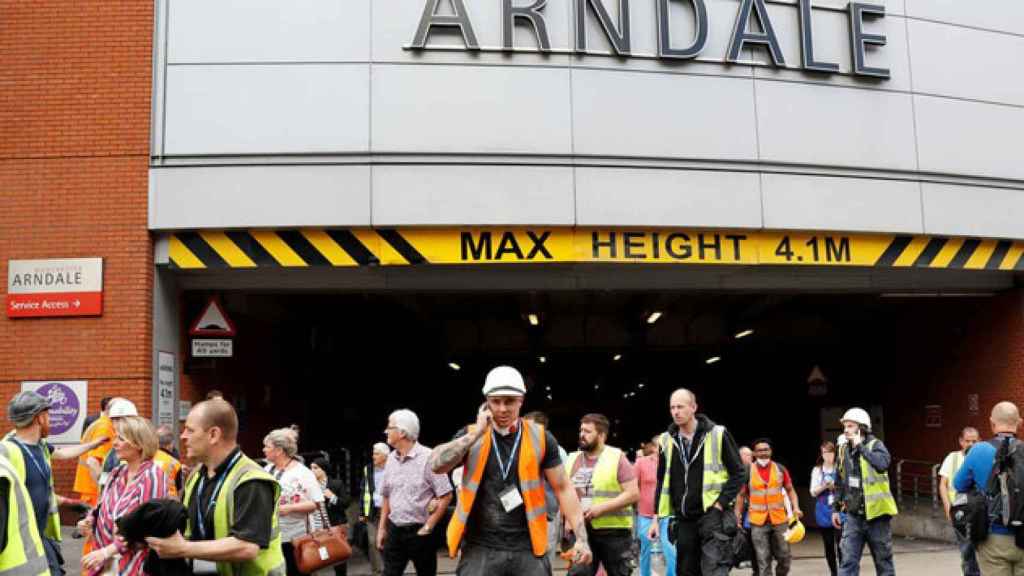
[570,506]
[448,457]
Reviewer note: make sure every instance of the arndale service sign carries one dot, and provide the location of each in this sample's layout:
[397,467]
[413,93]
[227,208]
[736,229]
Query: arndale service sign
[41,288]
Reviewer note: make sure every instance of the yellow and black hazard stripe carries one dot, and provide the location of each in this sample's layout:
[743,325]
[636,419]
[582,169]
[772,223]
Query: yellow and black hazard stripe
[290,248]
[326,247]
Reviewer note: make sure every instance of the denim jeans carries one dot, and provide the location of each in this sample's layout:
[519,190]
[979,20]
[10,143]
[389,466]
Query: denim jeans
[877,534]
[667,548]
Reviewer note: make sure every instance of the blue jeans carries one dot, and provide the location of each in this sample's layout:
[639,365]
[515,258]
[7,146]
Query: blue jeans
[877,534]
[968,556]
[667,548]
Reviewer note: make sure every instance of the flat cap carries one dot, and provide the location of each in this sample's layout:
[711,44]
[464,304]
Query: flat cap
[25,405]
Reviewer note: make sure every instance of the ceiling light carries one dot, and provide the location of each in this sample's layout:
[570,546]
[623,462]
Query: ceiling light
[653,317]
[549,397]
[713,359]
[534,320]
[631,394]
[548,388]
[597,386]
[640,386]
[454,366]
[744,334]
[625,395]
[542,359]
[617,357]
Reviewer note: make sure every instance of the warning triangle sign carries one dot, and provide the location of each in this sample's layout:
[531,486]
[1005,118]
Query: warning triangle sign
[213,322]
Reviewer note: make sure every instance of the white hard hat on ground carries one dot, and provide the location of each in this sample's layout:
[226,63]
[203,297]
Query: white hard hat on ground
[857,415]
[504,381]
[121,407]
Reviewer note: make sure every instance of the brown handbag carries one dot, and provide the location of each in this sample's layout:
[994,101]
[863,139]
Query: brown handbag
[322,548]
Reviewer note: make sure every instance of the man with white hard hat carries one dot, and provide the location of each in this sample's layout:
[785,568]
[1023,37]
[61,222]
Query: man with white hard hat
[500,521]
[862,492]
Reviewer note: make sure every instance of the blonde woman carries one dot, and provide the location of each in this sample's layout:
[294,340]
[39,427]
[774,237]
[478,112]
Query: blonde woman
[300,492]
[131,484]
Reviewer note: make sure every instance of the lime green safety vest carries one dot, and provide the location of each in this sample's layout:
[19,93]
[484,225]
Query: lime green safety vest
[269,562]
[878,500]
[10,450]
[367,495]
[715,474]
[607,487]
[23,555]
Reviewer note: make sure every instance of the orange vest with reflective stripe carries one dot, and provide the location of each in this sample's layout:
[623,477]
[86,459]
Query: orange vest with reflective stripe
[171,467]
[531,452]
[767,499]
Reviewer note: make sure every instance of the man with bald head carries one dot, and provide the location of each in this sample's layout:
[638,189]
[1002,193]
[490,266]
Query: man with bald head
[699,476]
[998,555]
[231,501]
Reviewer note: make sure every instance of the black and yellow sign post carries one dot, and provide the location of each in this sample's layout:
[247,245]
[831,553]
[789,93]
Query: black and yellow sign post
[493,246]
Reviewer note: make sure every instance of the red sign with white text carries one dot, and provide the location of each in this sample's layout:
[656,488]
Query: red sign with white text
[43,288]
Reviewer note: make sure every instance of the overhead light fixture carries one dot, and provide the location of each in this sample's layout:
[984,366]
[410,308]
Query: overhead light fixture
[625,395]
[653,317]
[597,386]
[548,388]
[640,386]
[454,366]
[534,319]
[617,357]
[744,334]
[542,359]
[631,394]
[549,397]
[713,359]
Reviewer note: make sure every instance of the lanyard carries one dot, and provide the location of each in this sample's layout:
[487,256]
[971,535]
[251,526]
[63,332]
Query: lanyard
[213,495]
[506,470]
[43,470]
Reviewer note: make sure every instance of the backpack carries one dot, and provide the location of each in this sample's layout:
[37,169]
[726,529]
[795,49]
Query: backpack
[1005,490]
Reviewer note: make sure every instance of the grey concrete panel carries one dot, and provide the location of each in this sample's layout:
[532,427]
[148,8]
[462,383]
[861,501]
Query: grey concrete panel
[966,63]
[832,126]
[472,195]
[832,44]
[1002,15]
[269,31]
[969,138]
[641,197]
[474,109]
[395,23]
[258,196]
[797,202]
[973,211]
[267,109]
[642,114]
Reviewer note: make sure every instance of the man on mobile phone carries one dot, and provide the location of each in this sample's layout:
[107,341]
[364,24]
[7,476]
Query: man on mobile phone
[500,521]
[862,492]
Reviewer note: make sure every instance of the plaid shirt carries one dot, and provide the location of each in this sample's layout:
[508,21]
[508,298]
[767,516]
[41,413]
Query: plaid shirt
[409,485]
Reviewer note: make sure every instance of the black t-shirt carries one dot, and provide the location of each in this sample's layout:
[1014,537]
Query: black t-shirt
[254,507]
[489,525]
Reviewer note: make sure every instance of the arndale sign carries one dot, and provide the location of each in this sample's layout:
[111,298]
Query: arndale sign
[617,30]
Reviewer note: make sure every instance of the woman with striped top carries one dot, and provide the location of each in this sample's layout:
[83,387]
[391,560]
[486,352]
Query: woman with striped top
[137,480]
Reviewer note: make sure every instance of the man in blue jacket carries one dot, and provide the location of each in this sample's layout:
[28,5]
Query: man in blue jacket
[999,553]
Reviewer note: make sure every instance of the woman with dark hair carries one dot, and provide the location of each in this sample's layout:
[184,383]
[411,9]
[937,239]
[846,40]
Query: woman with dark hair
[823,489]
[336,499]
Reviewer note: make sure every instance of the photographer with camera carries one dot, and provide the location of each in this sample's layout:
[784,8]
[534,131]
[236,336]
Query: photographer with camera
[862,492]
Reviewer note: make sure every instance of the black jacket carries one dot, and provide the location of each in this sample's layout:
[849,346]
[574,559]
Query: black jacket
[693,507]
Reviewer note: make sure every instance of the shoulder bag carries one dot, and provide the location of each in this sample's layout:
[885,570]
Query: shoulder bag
[321,548]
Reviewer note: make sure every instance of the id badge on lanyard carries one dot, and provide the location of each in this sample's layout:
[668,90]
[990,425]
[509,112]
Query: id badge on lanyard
[510,495]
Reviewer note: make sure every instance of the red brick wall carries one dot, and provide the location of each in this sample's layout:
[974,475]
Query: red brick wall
[75,81]
[986,358]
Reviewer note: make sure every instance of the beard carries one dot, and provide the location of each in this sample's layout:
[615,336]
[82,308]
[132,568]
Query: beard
[586,446]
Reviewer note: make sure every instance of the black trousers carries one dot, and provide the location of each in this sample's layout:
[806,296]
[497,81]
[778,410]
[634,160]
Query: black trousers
[613,549]
[402,545]
[480,561]
[704,545]
[830,537]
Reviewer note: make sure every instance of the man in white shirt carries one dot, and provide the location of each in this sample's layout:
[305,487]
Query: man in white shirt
[954,460]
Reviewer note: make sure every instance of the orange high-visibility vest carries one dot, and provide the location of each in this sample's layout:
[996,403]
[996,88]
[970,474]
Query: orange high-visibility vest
[171,467]
[531,452]
[767,499]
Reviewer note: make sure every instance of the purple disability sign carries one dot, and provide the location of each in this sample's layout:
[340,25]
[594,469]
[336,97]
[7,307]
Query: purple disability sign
[64,407]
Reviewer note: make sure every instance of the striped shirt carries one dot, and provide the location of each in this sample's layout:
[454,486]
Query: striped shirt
[121,496]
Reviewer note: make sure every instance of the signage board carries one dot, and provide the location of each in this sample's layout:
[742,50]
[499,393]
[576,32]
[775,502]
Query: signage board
[209,348]
[46,288]
[213,322]
[165,389]
[184,407]
[68,399]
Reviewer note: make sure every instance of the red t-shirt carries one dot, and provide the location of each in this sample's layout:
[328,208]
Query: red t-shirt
[646,468]
[582,474]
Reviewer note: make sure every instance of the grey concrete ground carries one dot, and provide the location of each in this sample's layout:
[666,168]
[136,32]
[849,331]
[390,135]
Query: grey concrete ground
[913,558]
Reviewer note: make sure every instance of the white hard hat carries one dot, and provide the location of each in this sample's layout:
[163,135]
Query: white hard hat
[121,407]
[504,381]
[857,415]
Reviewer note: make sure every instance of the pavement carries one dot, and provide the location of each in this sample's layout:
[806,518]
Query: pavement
[913,558]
